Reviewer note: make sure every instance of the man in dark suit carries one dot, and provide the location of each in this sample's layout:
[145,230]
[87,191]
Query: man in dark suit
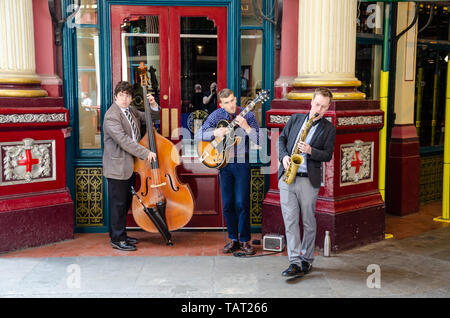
[122,130]
[301,195]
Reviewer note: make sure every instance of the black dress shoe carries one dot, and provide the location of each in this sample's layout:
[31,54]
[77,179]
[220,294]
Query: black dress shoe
[123,246]
[306,267]
[131,240]
[293,270]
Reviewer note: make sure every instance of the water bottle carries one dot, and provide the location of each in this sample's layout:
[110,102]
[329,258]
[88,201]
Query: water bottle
[327,244]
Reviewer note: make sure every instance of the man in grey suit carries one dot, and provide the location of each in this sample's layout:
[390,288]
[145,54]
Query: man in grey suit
[301,195]
[122,130]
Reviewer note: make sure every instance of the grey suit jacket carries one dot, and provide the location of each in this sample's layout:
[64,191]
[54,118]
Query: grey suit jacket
[322,145]
[119,148]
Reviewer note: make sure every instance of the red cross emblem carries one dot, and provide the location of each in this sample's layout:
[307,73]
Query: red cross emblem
[29,161]
[357,162]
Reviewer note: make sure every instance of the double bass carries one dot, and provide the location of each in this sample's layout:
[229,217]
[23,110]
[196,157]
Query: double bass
[161,203]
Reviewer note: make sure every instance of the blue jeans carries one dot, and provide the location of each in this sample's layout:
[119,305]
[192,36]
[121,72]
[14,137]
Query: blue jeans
[234,181]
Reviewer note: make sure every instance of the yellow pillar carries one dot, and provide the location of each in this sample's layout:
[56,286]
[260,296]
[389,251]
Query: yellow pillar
[384,87]
[446,182]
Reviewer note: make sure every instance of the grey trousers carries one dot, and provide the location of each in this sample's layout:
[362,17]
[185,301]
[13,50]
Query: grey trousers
[299,196]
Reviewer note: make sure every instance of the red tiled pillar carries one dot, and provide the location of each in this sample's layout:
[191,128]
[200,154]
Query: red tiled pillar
[35,204]
[402,196]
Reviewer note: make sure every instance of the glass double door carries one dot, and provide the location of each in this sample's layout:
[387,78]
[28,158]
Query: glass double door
[183,52]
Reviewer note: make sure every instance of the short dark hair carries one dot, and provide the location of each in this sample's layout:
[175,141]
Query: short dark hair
[124,86]
[325,92]
[224,93]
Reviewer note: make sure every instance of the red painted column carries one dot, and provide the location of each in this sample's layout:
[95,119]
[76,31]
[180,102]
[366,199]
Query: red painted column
[288,51]
[45,50]
[349,204]
[289,39]
[35,204]
[402,197]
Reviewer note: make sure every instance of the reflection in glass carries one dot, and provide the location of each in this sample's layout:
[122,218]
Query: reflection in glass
[88,84]
[251,11]
[140,43]
[369,17]
[367,69]
[198,54]
[438,27]
[431,84]
[87,13]
[251,69]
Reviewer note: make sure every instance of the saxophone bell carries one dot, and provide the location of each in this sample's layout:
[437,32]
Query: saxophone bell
[291,172]
[297,159]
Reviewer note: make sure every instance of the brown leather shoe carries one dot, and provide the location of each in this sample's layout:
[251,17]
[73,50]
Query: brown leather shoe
[247,248]
[231,247]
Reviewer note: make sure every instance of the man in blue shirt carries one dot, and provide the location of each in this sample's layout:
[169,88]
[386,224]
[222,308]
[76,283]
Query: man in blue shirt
[234,178]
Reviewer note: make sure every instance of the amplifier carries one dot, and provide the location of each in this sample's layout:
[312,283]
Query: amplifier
[273,242]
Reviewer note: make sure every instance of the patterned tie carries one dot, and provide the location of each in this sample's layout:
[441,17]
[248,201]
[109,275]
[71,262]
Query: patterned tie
[133,125]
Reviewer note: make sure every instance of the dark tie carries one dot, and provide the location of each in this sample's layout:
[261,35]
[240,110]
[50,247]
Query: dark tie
[133,125]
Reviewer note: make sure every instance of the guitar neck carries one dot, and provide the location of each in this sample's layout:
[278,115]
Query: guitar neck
[261,97]
[242,114]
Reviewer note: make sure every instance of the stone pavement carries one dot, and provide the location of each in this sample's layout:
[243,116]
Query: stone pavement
[417,266]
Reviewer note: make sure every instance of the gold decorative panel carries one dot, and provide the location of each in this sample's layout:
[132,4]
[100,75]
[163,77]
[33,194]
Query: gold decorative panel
[256,196]
[174,123]
[165,122]
[356,163]
[89,197]
[431,174]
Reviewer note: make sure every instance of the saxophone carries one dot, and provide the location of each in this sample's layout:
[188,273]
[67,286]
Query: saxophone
[296,157]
